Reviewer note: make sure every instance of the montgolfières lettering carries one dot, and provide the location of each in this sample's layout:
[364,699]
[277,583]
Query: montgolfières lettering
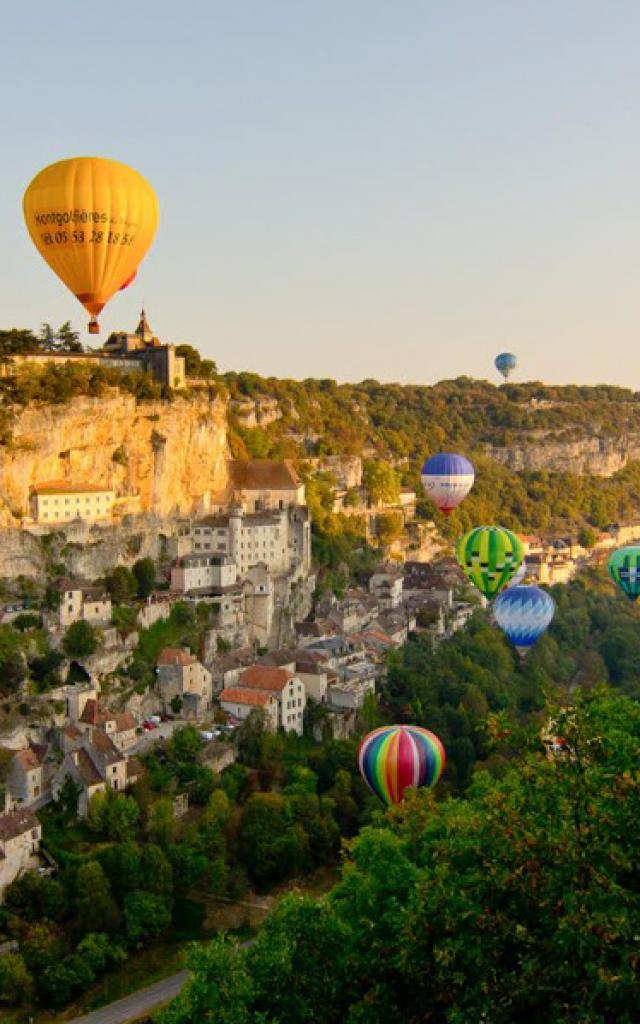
[447,479]
[92,220]
[489,556]
[395,757]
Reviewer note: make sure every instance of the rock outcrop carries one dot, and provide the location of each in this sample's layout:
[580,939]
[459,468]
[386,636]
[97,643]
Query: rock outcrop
[162,458]
[598,456]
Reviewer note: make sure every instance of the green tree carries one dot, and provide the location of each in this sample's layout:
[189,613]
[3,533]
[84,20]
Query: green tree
[121,584]
[144,571]
[16,983]
[381,482]
[146,915]
[220,984]
[35,897]
[269,844]
[12,660]
[96,909]
[80,640]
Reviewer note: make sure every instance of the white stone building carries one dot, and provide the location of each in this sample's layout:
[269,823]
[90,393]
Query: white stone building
[203,573]
[95,766]
[82,600]
[20,834]
[286,687]
[59,501]
[240,701]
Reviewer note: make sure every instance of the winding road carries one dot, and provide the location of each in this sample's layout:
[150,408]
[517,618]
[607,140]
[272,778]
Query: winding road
[138,1004]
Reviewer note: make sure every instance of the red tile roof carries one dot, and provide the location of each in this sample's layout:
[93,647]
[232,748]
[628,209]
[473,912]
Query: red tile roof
[28,759]
[241,695]
[264,474]
[263,677]
[176,656]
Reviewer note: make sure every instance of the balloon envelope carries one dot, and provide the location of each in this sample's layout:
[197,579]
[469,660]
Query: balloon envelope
[524,614]
[624,569]
[398,756]
[506,363]
[92,220]
[489,556]
[447,478]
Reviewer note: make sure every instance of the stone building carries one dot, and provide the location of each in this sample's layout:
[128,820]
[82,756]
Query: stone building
[142,350]
[286,687]
[203,573]
[240,701]
[82,600]
[95,766]
[120,727]
[59,501]
[280,540]
[20,834]
[181,675]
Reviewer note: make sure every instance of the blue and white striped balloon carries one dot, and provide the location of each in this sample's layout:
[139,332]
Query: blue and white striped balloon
[447,478]
[524,614]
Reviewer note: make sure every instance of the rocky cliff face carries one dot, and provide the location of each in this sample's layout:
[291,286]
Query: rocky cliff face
[160,458]
[590,455]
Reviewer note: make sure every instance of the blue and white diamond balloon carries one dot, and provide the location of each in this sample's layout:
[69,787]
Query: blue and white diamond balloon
[524,614]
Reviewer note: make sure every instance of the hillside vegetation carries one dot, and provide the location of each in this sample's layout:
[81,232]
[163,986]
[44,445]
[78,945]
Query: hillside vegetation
[402,424]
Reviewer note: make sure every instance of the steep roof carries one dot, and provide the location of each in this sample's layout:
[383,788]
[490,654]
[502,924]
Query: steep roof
[104,747]
[28,759]
[87,770]
[176,656]
[16,823]
[263,475]
[263,677]
[242,695]
[276,659]
[125,721]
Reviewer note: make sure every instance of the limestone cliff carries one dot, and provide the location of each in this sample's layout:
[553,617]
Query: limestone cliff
[599,456]
[162,458]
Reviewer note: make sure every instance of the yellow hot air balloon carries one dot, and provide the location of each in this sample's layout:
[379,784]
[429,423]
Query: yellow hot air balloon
[92,220]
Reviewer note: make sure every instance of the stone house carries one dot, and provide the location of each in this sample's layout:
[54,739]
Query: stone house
[59,501]
[387,588]
[27,778]
[81,600]
[95,766]
[120,727]
[240,701]
[20,834]
[286,687]
[180,674]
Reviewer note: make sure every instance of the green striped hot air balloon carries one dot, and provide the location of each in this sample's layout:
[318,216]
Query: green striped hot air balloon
[624,569]
[489,556]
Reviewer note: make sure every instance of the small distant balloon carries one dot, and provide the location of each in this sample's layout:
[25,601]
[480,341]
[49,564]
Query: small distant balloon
[447,479]
[624,570]
[506,363]
[524,614]
[489,556]
[395,757]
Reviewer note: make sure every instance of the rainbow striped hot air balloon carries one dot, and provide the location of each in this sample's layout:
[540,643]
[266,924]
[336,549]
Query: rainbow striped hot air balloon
[624,570]
[447,478]
[395,757]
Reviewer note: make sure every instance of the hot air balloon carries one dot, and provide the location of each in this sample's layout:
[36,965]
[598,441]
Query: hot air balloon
[524,614]
[489,556]
[397,756]
[506,363]
[447,478]
[92,220]
[624,569]
[131,278]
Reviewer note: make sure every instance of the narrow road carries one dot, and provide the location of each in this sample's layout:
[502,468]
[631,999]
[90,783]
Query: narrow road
[137,1004]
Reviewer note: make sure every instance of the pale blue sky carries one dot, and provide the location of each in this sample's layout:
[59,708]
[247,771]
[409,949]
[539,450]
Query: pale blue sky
[348,188]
